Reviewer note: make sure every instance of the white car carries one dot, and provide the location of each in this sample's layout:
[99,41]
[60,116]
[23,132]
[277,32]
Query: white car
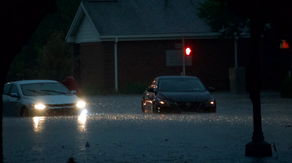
[40,98]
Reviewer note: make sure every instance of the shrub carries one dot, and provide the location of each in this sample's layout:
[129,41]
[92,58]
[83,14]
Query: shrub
[96,90]
[286,87]
[130,88]
[55,60]
[135,88]
[88,91]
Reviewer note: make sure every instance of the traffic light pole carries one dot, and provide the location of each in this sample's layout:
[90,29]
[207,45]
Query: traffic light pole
[184,56]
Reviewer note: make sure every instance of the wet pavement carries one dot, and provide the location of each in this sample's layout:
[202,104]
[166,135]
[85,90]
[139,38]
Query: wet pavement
[117,131]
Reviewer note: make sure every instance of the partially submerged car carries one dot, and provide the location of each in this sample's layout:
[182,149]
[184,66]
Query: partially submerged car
[40,98]
[178,94]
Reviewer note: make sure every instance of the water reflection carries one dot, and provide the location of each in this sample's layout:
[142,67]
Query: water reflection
[38,123]
[82,120]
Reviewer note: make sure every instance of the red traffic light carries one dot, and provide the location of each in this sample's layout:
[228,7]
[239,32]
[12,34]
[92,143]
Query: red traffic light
[188,51]
[284,45]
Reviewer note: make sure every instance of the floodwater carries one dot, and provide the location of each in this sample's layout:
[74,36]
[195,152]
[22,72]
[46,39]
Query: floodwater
[116,130]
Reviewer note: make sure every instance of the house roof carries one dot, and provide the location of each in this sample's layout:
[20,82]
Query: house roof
[136,17]
[141,17]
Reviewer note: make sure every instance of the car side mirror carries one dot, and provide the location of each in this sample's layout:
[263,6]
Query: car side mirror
[211,89]
[73,91]
[14,95]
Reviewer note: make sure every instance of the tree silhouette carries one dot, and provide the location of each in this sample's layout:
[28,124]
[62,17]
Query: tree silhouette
[55,59]
[218,17]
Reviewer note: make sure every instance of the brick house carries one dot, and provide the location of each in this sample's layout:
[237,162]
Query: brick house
[122,42]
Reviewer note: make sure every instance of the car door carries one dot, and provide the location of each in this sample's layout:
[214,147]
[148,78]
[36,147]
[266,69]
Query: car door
[5,98]
[13,101]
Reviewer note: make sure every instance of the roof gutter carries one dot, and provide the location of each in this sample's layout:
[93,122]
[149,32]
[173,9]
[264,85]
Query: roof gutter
[163,36]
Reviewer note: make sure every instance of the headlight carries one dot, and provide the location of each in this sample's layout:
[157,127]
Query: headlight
[211,102]
[40,106]
[80,104]
[162,102]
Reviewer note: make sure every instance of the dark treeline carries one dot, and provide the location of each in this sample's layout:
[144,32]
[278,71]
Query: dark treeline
[47,55]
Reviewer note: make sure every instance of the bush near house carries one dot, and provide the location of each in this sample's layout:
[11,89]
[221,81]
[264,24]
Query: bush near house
[130,88]
[89,91]
[96,90]
[286,87]
[135,88]
[55,60]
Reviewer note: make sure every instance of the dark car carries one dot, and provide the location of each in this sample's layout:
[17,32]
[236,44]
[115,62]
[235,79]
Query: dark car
[178,94]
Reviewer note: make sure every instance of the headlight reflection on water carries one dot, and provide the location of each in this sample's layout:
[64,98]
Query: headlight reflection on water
[83,112]
[82,119]
[38,123]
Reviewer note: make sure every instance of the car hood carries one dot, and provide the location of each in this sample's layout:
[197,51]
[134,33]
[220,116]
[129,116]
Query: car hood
[54,99]
[185,96]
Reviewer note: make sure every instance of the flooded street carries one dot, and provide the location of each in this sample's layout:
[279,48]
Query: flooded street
[116,130]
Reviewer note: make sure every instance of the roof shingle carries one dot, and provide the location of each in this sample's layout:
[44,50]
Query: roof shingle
[142,17]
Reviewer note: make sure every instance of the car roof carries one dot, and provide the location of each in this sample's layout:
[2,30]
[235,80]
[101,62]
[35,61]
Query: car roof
[176,77]
[32,81]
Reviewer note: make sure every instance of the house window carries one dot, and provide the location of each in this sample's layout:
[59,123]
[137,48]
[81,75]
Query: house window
[175,58]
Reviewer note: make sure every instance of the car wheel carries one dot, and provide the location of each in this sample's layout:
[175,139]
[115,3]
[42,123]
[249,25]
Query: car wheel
[24,112]
[142,106]
[154,108]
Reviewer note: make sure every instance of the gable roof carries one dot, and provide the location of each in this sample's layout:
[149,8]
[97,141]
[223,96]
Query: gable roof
[132,18]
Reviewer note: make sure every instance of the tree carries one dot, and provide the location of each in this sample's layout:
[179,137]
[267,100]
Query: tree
[55,60]
[58,19]
[218,17]
[17,68]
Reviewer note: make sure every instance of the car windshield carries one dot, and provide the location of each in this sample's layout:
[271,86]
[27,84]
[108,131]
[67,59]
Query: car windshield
[38,89]
[181,85]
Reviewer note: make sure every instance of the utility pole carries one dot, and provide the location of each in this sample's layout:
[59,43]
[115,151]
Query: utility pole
[257,147]
[184,57]
[235,51]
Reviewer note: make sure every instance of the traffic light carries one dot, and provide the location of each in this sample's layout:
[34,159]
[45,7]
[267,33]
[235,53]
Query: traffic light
[188,51]
[284,45]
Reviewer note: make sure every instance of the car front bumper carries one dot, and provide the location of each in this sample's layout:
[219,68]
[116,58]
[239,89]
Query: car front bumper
[185,107]
[54,112]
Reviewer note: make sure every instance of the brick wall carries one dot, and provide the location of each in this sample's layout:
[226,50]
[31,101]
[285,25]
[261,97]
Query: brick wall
[145,60]
[97,65]
[142,61]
